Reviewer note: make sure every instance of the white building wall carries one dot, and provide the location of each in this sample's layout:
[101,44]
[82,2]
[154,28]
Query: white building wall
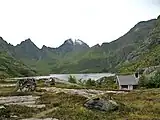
[130,87]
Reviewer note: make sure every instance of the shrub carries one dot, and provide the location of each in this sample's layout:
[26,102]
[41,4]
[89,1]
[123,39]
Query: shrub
[72,79]
[4,113]
[143,81]
[107,82]
[81,82]
[153,82]
[90,82]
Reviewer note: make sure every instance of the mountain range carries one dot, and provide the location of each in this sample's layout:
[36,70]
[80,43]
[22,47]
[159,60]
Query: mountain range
[139,47]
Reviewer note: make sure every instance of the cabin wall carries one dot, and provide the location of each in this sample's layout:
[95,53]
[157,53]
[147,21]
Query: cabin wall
[130,87]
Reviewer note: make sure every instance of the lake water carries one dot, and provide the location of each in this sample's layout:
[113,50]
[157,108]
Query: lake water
[93,76]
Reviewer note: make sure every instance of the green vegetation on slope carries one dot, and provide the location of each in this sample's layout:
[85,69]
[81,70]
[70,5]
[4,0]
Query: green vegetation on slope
[130,51]
[147,55]
[108,56]
[151,58]
[150,82]
[10,67]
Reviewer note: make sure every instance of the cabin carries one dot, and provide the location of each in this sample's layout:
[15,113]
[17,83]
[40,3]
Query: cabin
[127,82]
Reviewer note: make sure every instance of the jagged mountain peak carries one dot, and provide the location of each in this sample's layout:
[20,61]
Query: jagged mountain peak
[44,47]
[76,56]
[27,44]
[96,46]
[79,42]
[27,49]
[7,47]
[75,42]
[69,41]
[27,41]
[1,38]
[70,46]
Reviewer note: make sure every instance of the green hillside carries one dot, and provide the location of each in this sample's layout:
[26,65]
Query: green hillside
[110,56]
[139,47]
[148,54]
[10,67]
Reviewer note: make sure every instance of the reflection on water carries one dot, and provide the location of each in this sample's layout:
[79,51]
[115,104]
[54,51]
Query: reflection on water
[93,76]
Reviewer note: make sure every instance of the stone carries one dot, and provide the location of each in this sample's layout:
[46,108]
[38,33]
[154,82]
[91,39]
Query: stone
[26,85]
[50,81]
[102,105]
[2,107]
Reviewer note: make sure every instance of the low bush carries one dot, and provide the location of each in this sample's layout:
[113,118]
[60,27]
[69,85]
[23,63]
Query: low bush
[90,83]
[72,79]
[152,82]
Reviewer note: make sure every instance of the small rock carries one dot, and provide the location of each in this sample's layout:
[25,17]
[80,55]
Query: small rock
[2,107]
[102,105]
[14,116]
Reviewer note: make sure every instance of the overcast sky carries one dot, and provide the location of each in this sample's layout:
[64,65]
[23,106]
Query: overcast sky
[50,22]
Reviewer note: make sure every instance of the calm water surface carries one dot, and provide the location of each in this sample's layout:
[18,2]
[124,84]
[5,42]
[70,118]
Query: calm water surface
[93,76]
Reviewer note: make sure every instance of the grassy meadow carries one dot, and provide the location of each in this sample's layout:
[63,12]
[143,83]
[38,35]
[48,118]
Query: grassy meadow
[134,105]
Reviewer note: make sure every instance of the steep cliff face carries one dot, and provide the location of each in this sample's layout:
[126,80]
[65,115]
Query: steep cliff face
[148,53]
[5,47]
[135,36]
[27,50]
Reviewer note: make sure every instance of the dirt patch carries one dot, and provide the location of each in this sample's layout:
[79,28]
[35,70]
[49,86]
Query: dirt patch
[83,92]
[21,100]
[7,85]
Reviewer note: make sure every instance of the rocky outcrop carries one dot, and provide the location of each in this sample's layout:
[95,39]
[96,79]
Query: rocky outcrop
[70,46]
[102,105]
[26,85]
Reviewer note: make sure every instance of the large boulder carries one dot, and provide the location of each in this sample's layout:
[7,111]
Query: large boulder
[102,105]
[26,85]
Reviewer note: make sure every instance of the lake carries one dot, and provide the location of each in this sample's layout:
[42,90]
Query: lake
[93,76]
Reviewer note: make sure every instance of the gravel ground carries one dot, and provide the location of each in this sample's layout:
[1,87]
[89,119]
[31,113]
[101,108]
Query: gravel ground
[84,92]
[21,100]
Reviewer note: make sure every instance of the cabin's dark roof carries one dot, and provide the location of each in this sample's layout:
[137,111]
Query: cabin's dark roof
[127,80]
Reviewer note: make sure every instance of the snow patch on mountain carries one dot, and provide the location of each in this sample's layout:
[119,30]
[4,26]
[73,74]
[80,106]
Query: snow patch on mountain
[79,42]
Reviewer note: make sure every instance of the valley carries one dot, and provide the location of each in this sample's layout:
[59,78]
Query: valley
[72,98]
[77,57]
